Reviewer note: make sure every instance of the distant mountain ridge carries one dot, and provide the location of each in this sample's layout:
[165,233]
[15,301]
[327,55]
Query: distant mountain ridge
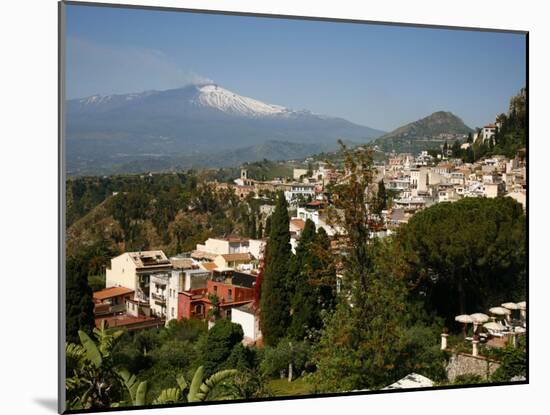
[270,150]
[425,133]
[195,120]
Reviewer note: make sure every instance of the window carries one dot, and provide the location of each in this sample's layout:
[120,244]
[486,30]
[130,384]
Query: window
[215,289]
[172,312]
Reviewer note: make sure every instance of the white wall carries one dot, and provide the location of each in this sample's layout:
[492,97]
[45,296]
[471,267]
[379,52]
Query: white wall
[172,294]
[247,322]
[122,273]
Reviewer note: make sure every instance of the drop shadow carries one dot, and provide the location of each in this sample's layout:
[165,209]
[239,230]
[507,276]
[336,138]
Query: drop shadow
[48,403]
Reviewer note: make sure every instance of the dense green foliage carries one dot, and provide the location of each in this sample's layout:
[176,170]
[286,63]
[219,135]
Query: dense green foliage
[287,358]
[172,212]
[221,346]
[79,308]
[92,376]
[466,256]
[512,136]
[161,355]
[84,193]
[311,282]
[513,362]
[368,342]
[275,299]
[97,377]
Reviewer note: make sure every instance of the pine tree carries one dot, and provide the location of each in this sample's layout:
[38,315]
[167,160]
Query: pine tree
[79,305]
[327,270]
[275,301]
[359,346]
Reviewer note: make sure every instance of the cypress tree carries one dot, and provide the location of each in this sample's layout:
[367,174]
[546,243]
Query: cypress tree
[260,230]
[304,301]
[267,229]
[253,231]
[275,301]
[79,305]
[381,198]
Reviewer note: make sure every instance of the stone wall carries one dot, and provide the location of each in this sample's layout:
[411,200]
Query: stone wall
[466,364]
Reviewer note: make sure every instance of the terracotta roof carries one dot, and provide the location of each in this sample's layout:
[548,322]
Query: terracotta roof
[237,257]
[490,126]
[111,292]
[209,266]
[130,322]
[299,223]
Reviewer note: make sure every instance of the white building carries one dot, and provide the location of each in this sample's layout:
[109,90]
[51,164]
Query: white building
[158,294]
[225,246]
[133,270]
[295,191]
[457,178]
[249,321]
[420,179]
[311,214]
[493,190]
[488,132]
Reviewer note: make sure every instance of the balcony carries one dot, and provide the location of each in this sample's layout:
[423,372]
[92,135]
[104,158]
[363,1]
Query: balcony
[158,298]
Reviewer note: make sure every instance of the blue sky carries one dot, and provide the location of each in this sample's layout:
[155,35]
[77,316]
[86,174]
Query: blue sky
[376,75]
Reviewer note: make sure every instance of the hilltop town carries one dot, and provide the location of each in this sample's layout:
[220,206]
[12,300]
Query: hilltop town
[147,288]
[265,272]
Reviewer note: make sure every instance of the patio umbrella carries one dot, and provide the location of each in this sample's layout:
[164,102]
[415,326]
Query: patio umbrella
[464,319]
[522,305]
[499,311]
[478,318]
[510,306]
[493,325]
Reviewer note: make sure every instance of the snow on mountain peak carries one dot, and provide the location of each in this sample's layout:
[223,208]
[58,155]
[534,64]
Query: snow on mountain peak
[214,96]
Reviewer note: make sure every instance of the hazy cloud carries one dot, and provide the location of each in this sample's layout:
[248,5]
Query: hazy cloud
[93,68]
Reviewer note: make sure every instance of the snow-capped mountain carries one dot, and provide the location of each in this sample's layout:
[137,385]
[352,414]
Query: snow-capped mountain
[195,118]
[207,96]
[214,96]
